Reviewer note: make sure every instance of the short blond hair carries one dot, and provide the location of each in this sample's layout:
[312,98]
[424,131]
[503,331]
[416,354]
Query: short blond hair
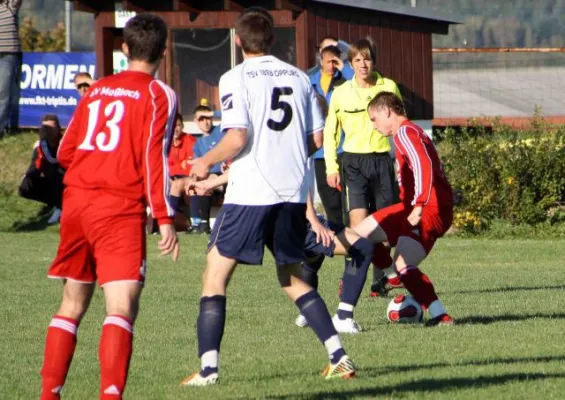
[364,47]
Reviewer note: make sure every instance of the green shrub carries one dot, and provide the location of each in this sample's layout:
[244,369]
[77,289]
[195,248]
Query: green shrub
[506,174]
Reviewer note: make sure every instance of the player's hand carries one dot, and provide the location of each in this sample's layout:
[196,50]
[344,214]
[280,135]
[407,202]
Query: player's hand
[189,186]
[169,242]
[415,216]
[203,188]
[199,168]
[334,181]
[323,234]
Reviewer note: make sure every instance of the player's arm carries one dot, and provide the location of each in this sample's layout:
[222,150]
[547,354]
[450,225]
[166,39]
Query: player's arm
[159,129]
[203,187]
[68,144]
[409,143]
[231,144]
[331,136]
[314,123]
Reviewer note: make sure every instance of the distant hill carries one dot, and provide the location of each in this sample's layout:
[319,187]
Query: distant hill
[488,23]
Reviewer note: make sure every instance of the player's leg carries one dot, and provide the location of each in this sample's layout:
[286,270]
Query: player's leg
[411,250]
[74,264]
[116,340]
[62,337]
[360,252]
[115,227]
[177,193]
[331,198]
[286,242]
[237,236]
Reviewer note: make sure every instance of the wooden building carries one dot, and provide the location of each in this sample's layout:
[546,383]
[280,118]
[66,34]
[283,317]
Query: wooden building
[201,41]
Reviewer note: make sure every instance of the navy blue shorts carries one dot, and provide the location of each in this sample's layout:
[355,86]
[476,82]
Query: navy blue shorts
[313,249]
[242,232]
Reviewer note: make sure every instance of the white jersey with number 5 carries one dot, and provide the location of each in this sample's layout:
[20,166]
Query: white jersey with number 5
[277,105]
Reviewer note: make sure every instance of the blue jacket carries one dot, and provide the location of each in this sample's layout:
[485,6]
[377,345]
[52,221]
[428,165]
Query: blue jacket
[337,80]
[206,143]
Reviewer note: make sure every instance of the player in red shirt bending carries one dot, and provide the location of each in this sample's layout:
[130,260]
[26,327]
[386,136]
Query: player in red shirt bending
[115,153]
[182,151]
[425,212]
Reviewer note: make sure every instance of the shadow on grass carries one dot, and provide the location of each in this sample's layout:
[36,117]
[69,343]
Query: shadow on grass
[427,385]
[507,289]
[492,319]
[37,222]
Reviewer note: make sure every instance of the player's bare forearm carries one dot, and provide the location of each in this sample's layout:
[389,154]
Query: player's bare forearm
[217,181]
[315,142]
[230,146]
[310,210]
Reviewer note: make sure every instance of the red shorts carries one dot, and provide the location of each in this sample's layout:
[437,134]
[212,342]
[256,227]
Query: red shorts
[433,225]
[102,238]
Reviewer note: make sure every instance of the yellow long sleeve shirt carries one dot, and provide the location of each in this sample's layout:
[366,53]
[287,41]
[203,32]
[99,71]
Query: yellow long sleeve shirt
[348,110]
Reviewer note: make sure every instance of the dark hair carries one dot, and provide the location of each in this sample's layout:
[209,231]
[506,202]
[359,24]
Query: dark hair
[51,117]
[333,50]
[387,100]
[255,29]
[201,108]
[146,37]
[82,75]
[363,46]
[177,117]
[322,40]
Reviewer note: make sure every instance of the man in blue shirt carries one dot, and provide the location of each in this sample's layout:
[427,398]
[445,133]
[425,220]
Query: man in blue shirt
[324,81]
[200,206]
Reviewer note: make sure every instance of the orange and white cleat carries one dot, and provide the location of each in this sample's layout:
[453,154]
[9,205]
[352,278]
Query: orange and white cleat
[344,369]
[198,380]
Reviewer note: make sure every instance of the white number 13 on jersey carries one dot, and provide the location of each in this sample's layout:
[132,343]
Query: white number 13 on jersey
[114,112]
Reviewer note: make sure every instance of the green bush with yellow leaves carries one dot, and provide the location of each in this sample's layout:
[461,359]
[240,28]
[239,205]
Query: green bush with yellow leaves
[505,174]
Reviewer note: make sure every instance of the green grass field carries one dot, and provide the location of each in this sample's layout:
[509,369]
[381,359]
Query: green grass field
[507,297]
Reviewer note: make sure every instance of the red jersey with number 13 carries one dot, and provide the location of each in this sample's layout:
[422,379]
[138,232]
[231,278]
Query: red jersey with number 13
[119,138]
[420,174]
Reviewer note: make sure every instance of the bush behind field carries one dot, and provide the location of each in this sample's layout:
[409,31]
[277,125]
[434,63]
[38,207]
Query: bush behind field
[514,177]
[513,182]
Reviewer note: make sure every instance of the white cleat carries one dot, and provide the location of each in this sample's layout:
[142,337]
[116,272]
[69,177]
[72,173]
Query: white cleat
[55,217]
[301,321]
[347,325]
[197,380]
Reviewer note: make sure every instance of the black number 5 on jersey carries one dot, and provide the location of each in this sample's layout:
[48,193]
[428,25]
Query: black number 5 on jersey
[278,104]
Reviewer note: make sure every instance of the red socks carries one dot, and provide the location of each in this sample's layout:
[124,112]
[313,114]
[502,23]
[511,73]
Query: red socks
[59,349]
[419,285]
[115,352]
[381,256]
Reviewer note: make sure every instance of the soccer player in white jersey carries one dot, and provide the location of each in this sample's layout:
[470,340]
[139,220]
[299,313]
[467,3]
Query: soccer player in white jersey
[272,124]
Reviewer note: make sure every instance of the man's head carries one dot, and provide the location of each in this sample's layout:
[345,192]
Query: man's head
[179,126]
[82,80]
[386,111]
[362,57]
[254,31]
[50,129]
[330,56]
[145,38]
[325,42]
[203,118]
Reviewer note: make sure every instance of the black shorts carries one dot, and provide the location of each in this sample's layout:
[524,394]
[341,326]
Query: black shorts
[175,177]
[242,232]
[369,181]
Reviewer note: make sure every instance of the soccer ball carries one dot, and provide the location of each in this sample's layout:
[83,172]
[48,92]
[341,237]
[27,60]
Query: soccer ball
[405,310]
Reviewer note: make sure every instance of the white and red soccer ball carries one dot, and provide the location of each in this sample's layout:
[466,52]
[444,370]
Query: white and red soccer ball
[404,309]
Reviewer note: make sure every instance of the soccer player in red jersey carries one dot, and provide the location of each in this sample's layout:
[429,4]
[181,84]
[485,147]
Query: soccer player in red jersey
[425,212]
[115,153]
[182,151]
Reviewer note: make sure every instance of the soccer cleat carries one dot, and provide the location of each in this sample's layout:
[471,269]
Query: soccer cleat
[198,380]
[301,321]
[441,320]
[385,285]
[348,325]
[344,369]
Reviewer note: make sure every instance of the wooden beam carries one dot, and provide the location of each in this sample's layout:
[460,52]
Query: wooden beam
[184,5]
[287,5]
[231,5]
[93,6]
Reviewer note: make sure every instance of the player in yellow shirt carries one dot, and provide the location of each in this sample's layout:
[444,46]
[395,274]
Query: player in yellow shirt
[368,171]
